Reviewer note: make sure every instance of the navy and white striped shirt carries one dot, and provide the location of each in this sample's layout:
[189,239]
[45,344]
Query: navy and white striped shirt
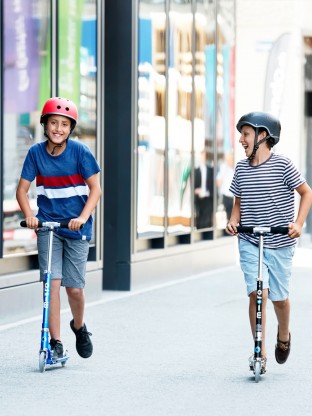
[267,197]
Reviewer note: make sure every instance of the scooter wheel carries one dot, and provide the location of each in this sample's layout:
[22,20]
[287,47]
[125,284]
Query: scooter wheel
[257,371]
[42,361]
[63,363]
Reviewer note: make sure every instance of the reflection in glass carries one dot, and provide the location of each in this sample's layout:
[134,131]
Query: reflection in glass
[225,122]
[77,66]
[204,115]
[26,85]
[180,116]
[179,157]
[151,119]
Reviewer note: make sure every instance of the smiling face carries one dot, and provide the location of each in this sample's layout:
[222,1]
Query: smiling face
[247,139]
[58,128]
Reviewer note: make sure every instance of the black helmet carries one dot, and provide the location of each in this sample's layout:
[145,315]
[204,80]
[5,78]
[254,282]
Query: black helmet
[258,119]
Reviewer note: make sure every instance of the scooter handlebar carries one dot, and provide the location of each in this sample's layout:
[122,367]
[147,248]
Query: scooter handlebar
[49,224]
[263,230]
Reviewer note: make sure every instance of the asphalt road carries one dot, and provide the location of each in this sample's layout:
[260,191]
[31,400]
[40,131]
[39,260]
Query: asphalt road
[179,349]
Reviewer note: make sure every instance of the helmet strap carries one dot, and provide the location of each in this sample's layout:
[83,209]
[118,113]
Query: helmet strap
[55,145]
[53,150]
[257,144]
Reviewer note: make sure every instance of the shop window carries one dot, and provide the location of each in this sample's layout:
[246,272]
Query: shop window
[180,90]
[151,119]
[26,83]
[225,123]
[77,66]
[204,114]
[28,75]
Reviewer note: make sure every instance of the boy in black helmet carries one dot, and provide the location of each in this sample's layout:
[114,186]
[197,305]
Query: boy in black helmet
[263,187]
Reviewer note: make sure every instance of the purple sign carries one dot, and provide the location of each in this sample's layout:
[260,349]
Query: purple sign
[21,57]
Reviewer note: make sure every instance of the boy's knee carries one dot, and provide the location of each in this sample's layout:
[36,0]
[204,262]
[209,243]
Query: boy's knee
[255,295]
[74,292]
[281,304]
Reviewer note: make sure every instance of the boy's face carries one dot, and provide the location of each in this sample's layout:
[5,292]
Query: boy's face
[247,139]
[58,128]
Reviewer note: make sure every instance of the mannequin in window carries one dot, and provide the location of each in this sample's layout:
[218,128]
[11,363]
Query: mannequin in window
[203,189]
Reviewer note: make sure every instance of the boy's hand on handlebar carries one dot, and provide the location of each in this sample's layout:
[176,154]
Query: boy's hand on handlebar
[294,230]
[231,228]
[75,224]
[32,222]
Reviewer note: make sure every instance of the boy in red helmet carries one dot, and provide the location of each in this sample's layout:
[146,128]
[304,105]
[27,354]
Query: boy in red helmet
[68,189]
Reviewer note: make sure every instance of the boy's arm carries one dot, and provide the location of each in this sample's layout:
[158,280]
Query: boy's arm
[94,195]
[235,218]
[305,193]
[23,201]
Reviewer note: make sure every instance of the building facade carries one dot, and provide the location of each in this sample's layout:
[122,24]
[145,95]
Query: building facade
[153,81]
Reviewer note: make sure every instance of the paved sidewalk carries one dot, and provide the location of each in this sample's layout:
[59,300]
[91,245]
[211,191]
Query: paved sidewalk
[176,350]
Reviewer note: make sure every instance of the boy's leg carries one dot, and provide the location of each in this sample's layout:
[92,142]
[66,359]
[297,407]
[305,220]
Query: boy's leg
[43,238]
[84,345]
[252,316]
[249,259]
[280,261]
[74,268]
[282,311]
[282,347]
[76,301]
[55,308]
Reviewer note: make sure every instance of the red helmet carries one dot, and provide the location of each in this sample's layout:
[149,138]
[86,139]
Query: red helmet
[62,107]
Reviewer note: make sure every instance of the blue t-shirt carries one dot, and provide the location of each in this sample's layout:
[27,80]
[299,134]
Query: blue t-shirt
[60,184]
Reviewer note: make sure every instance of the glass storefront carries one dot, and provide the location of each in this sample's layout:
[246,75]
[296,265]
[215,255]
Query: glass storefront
[29,72]
[225,123]
[152,80]
[204,113]
[185,135]
[27,75]
[180,87]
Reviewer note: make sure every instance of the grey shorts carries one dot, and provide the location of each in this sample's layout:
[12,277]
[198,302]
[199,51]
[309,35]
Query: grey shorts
[69,258]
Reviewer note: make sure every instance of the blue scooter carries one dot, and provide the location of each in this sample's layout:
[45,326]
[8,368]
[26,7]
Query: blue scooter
[46,356]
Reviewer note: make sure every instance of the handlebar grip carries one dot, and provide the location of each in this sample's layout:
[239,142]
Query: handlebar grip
[242,229]
[265,230]
[279,230]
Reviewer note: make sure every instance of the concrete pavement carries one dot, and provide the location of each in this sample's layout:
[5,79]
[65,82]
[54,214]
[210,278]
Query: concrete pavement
[180,349]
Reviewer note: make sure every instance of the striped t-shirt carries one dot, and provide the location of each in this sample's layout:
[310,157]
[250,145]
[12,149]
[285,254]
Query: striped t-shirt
[60,183]
[267,197]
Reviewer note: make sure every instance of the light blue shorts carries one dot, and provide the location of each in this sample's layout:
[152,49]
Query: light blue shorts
[69,258]
[277,266]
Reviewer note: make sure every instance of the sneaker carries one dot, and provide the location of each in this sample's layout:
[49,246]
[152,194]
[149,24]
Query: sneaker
[263,364]
[282,350]
[57,348]
[84,345]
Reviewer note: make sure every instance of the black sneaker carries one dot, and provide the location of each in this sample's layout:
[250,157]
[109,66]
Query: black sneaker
[84,345]
[282,350]
[57,348]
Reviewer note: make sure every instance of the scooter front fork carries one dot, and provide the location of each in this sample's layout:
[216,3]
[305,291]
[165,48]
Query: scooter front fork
[46,310]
